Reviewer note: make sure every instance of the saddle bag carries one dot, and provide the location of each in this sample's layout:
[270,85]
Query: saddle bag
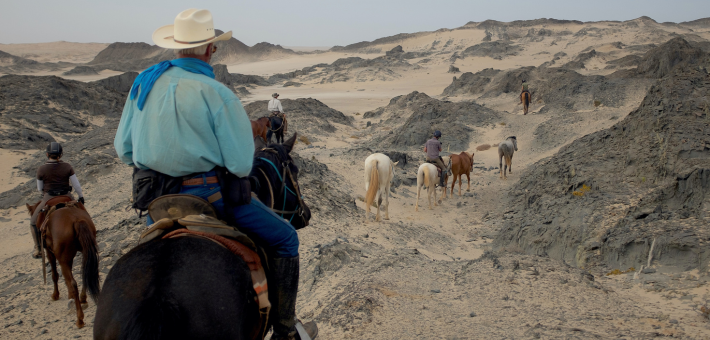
[149,185]
[235,190]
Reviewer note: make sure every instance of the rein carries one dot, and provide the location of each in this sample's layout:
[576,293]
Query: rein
[283,122]
[284,187]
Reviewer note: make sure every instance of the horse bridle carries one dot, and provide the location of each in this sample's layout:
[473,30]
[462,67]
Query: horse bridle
[286,170]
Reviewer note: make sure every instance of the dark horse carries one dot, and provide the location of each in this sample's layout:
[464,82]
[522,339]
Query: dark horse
[277,129]
[526,98]
[66,230]
[184,288]
[278,181]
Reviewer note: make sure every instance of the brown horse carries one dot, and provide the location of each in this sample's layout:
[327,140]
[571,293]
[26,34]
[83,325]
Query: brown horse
[67,229]
[260,126]
[461,164]
[525,98]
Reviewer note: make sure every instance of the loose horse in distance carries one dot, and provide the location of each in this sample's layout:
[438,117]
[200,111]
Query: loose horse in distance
[260,127]
[379,171]
[276,129]
[428,175]
[526,98]
[67,231]
[506,149]
[461,164]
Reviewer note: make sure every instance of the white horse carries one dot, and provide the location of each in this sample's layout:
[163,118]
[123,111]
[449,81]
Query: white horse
[379,171]
[506,149]
[428,176]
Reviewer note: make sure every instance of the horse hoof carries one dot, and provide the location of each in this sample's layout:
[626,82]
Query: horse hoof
[80,324]
[55,297]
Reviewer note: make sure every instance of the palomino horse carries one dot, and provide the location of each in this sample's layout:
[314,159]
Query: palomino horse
[260,127]
[67,229]
[525,98]
[379,171]
[506,149]
[278,127]
[461,164]
[428,176]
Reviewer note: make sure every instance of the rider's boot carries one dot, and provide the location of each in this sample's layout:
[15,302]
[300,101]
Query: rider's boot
[35,236]
[284,278]
[441,179]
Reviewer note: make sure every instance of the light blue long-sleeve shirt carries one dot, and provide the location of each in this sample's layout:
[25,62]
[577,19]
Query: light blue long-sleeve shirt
[190,124]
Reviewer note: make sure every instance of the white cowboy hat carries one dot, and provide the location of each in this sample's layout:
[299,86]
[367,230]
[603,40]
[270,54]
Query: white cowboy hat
[192,28]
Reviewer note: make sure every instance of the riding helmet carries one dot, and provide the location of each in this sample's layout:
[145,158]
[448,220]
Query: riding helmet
[437,133]
[524,80]
[54,148]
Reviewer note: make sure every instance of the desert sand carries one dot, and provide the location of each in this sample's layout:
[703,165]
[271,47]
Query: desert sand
[433,274]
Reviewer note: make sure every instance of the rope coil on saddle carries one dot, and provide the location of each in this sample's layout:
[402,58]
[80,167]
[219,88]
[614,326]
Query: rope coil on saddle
[299,208]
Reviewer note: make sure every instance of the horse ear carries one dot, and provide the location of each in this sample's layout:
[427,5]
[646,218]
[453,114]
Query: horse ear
[395,163]
[259,143]
[289,143]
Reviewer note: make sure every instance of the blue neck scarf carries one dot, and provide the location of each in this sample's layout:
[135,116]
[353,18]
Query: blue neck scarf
[147,78]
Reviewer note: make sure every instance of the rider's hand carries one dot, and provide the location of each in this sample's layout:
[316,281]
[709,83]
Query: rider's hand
[81,200]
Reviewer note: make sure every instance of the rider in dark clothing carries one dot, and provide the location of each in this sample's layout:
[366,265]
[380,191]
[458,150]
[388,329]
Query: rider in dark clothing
[524,89]
[54,178]
[432,149]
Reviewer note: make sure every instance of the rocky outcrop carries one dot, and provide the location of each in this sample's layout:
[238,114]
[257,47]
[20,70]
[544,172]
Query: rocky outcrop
[453,69]
[424,115]
[305,115]
[606,198]
[121,83]
[495,49]
[81,71]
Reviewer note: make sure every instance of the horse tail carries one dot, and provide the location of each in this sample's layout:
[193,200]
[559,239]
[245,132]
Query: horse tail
[374,184]
[155,318]
[90,259]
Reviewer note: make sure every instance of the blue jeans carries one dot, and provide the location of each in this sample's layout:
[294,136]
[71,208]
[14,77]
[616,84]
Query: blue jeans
[255,219]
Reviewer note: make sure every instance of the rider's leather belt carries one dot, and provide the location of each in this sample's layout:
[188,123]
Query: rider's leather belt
[198,181]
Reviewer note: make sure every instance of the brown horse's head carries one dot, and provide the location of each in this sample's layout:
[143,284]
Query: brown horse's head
[31,208]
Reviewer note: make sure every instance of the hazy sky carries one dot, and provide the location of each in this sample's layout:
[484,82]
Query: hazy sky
[306,22]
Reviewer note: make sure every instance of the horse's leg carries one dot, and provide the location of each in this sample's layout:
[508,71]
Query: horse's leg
[416,204]
[510,164]
[500,165]
[460,176]
[387,202]
[268,136]
[378,200]
[468,179]
[65,262]
[505,168]
[55,276]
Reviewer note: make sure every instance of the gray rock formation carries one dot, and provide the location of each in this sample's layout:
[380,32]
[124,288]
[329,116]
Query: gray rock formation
[603,199]
[305,115]
[494,49]
[453,69]
[81,71]
[427,115]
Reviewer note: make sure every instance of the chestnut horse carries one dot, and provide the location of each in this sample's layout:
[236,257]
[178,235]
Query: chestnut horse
[461,164]
[525,98]
[260,126]
[66,230]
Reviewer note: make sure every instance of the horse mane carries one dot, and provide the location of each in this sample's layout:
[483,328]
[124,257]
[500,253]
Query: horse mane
[513,137]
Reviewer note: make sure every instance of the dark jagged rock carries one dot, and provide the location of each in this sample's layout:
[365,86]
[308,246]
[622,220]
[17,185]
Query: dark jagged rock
[82,71]
[396,51]
[495,49]
[557,87]
[471,83]
[305,115]
[630,60]
[578,62]
[604,199]
[9,59]
[292,83]
[54,104]
[427,115]
[453,69]
[658,62]
[121,83]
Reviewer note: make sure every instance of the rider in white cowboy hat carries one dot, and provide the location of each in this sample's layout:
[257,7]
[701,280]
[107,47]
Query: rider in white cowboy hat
[276,109]
[180,122]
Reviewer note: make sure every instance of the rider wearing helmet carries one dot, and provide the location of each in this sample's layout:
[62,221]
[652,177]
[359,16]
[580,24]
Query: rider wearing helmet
[432,149]
[54,178]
